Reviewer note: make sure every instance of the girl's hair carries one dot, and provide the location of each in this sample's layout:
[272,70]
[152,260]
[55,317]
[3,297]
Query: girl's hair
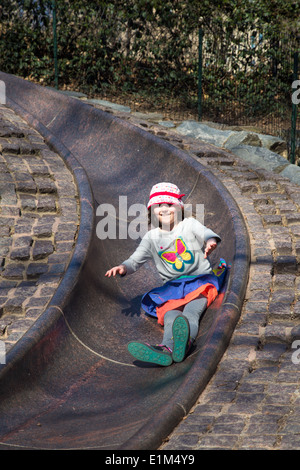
[150,213]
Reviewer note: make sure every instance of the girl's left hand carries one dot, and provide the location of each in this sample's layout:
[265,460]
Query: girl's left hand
[211,245]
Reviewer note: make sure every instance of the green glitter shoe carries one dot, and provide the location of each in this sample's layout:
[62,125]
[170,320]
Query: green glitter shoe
[181,338]
[157,354]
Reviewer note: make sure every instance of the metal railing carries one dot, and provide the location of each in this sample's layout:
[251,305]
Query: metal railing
[251,85]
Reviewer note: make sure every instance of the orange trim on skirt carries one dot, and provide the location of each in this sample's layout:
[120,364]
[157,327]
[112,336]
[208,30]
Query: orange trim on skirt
[208,290]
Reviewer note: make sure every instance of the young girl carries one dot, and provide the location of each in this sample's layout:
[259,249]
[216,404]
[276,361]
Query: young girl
[179,247]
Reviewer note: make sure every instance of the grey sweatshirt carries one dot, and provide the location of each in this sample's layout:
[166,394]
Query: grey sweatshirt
[179,252]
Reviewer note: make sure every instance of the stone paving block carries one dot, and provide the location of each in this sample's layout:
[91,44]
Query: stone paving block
[24,225]
[38,168]
[42,249]
[285,264]
[279,232]
[280,394]
[265,374]
[5,176]
[291,428]
[64,247]
[260,282]
[36,302]
[221,397]
[207,409]
[261,199]
[28,202]
[7,147]
[58,268]
[8,193]
[26,148]
[69,204]
[48,291]
[46,204]
[33,313]
[266,209]
[283,247]
[14,163]
[248,187]
[183,441]
[45,185]
[43,231]
[13,337]
[280,310]
[271,352]
[13,271]
[284,280]
[10,130]
[295,333]
[268,186]
[288,377]
[197,424]
[229,424]
[13,305]
[290,442]
[260,423]
[64,236]
[297,248]
[258,296]
[22,241]
[245,340]
[296,310]
[21,254]
[57,258]
[292,218]
[272,219]
[286,206]
[256,306]
[26,187]
[47,279]
[218,442]
[36,269]
[258,442]
[10,211]
[285,296]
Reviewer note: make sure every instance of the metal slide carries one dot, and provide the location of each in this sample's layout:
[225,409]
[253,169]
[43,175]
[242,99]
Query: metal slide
[70,383]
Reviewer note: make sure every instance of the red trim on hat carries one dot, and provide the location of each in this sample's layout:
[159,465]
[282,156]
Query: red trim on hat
[167,193]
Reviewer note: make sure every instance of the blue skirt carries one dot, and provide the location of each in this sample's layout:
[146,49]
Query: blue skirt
[181,287]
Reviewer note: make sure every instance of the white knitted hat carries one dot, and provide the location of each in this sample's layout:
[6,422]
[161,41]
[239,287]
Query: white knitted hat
[165,193]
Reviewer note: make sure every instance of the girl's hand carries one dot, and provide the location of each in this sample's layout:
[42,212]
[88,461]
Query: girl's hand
[211,245]
[121,269]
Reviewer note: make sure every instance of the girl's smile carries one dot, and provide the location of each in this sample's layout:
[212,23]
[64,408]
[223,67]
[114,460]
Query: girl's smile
[166,215]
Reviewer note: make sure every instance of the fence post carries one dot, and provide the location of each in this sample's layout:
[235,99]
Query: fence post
[55,43]
[294,113]
[200,59]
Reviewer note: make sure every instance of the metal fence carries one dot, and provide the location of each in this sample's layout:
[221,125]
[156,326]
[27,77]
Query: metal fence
[246,81]
[233,78]
[251,84]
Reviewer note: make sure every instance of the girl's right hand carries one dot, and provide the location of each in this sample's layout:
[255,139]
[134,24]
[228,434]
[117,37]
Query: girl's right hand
[121,269]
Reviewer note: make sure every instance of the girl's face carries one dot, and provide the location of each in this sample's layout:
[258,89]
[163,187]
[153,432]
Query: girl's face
[167,215]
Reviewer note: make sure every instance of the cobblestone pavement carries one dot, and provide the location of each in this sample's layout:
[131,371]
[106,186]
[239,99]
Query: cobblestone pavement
[253,400]
[38,224]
